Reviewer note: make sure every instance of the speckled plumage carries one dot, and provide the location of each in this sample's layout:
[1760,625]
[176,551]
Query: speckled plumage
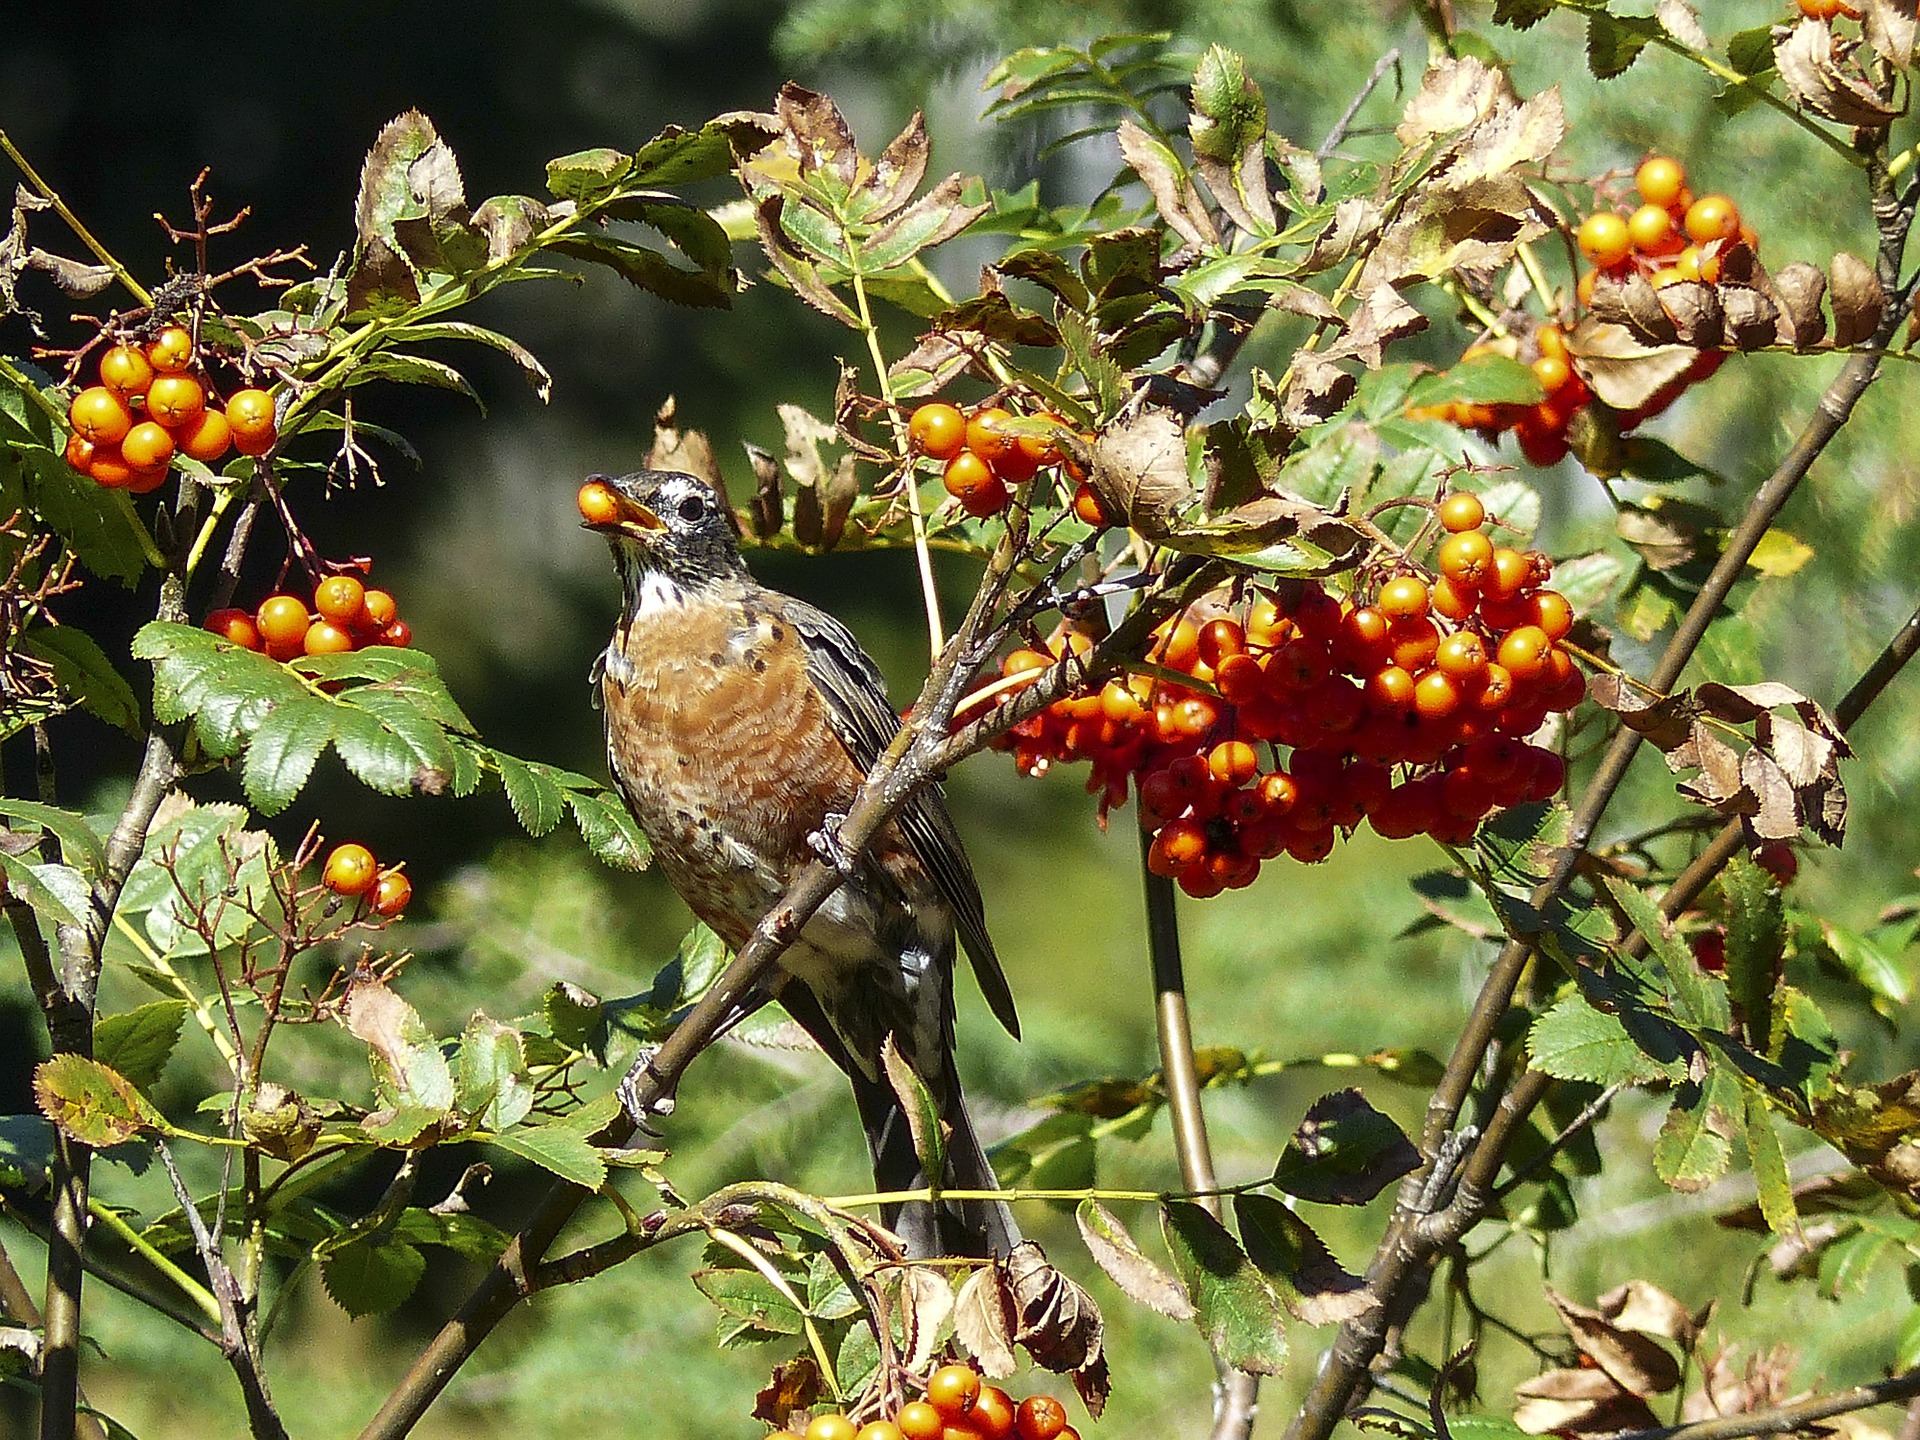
[740,722]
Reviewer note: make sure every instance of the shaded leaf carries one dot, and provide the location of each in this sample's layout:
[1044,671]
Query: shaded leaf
[1138,1277]
[1235,1307]
[1344,1152]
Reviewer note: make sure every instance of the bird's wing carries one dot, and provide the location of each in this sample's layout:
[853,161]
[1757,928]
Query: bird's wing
[856,696]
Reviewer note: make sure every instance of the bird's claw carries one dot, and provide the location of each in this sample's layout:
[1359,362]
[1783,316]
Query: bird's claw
[825,843]
[642,1111]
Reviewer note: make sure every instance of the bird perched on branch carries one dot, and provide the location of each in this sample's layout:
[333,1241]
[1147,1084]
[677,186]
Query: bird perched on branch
[741,723]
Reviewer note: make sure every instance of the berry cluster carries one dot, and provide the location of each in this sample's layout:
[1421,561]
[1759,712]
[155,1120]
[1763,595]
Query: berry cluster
[352,872]
[957,1407]
[1669,237]
[149,406]
[1409,710]
[346,616]
[985,458]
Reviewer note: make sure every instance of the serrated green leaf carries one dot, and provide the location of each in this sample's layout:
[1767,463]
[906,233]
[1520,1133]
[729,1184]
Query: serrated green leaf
[1614,42]
[680,157]
[99,526]
[203,859]
[80,846]
[587,174]
[537,802]
[1692,1150]
[139,1042]
[1574,1041]
[559,1149]
[1701,1000]
[1769,1166]
[650,270]
[372,1275]
[465,1234]
[490,1075]
[746,1295]
[1344,1152]
[283,750]
[81,668]
[408,1068]
[608,828]
[1235,1306]
[414,370]
[1484,380]
[1756,943]
[575,1018]
[58,893]
[529,363]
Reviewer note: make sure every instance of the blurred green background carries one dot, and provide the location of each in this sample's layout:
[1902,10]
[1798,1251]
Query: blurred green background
[482,548]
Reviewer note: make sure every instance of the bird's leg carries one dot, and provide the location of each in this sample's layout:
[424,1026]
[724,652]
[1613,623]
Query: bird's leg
[826,844]
[629,1091]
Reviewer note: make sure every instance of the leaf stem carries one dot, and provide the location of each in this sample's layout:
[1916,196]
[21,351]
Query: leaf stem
[188,1286]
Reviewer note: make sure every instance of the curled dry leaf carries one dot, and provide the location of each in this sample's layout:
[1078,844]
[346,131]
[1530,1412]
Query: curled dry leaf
[1578,1402]
[1059,1323]
[792,1389]
[925,1304]
[1730,1388]
[1319,388]
[1820,73]
[1453,95]
[1355,222]
[1139,470]
[815,133]
[766,511]
[1697,315]
[1381,317]
[1167,181]
[985,1320]
[1890,30]
[1856,298]
[1682,21]
[826,488]
[1621,370]
[1635,1361]
[687,450]
[1644,1308]
[1753,319]
[1800,288]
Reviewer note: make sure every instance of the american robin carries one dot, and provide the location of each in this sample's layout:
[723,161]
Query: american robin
[741,723]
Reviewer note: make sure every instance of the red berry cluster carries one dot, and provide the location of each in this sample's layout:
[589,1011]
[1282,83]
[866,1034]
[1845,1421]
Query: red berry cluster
[150,406]
[1408,710]
[351,871]
[346,616]
[958,1406]
[985,459]
[1670,236]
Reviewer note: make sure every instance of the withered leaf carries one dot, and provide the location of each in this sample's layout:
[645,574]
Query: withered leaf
[1753,320]
[898,172]
[1664,533]
[940,358]
[74,278]
[925,1301]
[1453,94]
[1140,471]
[1646,1309]
[1621,370]
[1174,195]
[1268,520]
[1682,21]
[1764,1382]
[793,1386]
[1138,1277]
[766,511]
[685,450]
[1578,1402]
[1319,388]
[1856,298]
[509,223]
[381,283]
[1382,316]
[1695,310]
[935,218]
[1823,80]
[985,1319]
[1666,721]
[816,133]
[1638,1362]
[1890,30]
[794,266]
[1059,1323]
[1801,287]
[1778,815]
[1354,222]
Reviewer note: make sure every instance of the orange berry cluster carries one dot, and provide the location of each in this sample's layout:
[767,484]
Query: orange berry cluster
[984,459]
[1671,236]
[149,407]
[351,871]
[346,616]
[1409,710]
[958,1406]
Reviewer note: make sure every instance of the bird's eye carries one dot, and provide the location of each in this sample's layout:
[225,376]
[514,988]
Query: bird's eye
[692,509]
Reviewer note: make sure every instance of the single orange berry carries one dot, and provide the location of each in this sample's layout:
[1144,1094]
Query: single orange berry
[831,1427]
[108,470]
[1040,1417]
[391,893]
[350,870]
[881,1430]
[1712,217]
[598,504]
[1660,179]
[1466,557]
[323,637]
[1462,510]
[1507,575]
[207,438]
[100,415]
[966,474]
[250,413]
[1041,449]
[80,451]
[282,620]
[1453,599]
[146,479]
[171,351]
[1551,612]
[1087,506]
[1436,695]
[938,430]
[1523,652]
[338,598]
[1403,598]
[920,1421]
[1462,655]
[953,1389]
[126,371]
[1583,289]
[986,437]
[147,446]
[235,625]
[992,1416]
[1553,373]
[1604,240]
[175,400]
[1652,230]
[377,610]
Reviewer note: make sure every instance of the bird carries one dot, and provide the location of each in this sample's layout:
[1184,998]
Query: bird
[740,725]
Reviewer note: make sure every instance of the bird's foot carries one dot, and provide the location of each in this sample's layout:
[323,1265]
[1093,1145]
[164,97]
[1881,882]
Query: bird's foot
[632,1090]
[826,844]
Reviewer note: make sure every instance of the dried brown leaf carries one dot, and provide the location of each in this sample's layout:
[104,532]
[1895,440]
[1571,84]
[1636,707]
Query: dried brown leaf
[1355,221]
[1856,298]
[1319,388]
[1801,287]
[1172,188]
[1059,1323]
[1138,1277]
[1753,320]
[1666,721]
[1694,308]
[926,1303]
[791,1390]
[985,1319]
[1620,369]
[1578,1402]
[940,358]
[1778,815]
[766,511]
[1453,95]
[816,133]
[686,450]
[1647,316]
[1820,76]
[1645,1309]
[1638,1362]
[1140,471]
[898,172]
[1381,317]
[1890,30]
[1682,21]
[74,277]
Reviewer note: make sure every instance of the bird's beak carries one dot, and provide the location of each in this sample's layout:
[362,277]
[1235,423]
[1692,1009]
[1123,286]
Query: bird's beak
[609,511]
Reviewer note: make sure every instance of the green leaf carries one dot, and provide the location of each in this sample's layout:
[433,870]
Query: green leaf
[1751,51]
[1614,42]
[1310,1282]
[26,1150]
[1701,1000]
[1692,1150]
[650,270]
[1485,380]
[557,1148]
[1877,970]
[575,1018]
[529,363]
[203,859]
[536,800]
[678,157]
[58,893]
[608,828]
[587,174]
[1655,462]
[1756,943]
[745,1295]
[1235,1306]
[372,1275]
[414,370]
[99,526]
[694,232]
[1344,1152]
[490,1075]
[1769,1166]
[93,1104]
[80,846]
[81,668]
[139,1042]
[408,1068]
[466,1235]
[283,750]
[1574,1041]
